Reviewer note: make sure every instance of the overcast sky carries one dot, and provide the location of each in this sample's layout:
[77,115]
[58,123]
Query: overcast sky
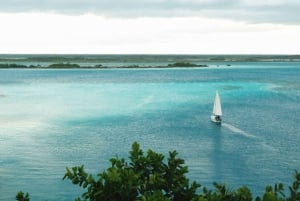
[150,26]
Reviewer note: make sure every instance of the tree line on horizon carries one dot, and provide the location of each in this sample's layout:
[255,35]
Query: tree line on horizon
[74,65]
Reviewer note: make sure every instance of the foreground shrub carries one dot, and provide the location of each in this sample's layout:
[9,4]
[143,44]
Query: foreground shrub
[145,177]
[152,177]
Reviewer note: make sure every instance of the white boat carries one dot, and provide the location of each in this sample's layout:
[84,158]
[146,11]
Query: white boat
[217,110]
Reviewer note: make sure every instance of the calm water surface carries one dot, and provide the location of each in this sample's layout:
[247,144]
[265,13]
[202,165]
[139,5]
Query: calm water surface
[50,119]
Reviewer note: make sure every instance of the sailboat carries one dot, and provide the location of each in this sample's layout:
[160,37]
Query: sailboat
[217,110]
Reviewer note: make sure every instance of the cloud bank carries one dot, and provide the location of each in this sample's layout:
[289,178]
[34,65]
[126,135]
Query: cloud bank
[252,11]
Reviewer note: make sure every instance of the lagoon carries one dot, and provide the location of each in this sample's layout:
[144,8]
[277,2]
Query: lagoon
[50,119]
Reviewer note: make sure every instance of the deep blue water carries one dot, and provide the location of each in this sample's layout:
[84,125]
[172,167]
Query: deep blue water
[50,119]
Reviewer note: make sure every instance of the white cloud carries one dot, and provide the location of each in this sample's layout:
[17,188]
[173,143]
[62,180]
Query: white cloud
[54,33]
[258,11]
[258,3]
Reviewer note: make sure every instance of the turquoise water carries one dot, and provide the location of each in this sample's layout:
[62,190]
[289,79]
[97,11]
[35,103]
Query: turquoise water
[50,119]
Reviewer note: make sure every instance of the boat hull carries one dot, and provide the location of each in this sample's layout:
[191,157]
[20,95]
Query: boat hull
[216,120]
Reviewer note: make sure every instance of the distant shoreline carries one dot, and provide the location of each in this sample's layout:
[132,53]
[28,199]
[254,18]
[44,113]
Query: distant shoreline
[45,61]
[98,66]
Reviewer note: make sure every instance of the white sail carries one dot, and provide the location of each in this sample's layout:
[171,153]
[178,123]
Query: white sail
[217,110]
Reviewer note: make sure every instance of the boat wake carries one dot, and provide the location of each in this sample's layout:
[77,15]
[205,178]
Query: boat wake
[145,101]
[237,130]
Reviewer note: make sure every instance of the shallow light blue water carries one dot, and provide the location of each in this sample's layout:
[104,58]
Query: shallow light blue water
[50,119]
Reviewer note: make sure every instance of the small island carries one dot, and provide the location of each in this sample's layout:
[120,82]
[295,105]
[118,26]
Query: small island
[63,65]
[99,66]
[186,64]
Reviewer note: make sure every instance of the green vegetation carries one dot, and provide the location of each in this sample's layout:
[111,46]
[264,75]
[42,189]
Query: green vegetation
[186,64]
[22,197]
[64,65]
[73,65]
[144,177]
[151,177]
[12,65]
[55,65]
